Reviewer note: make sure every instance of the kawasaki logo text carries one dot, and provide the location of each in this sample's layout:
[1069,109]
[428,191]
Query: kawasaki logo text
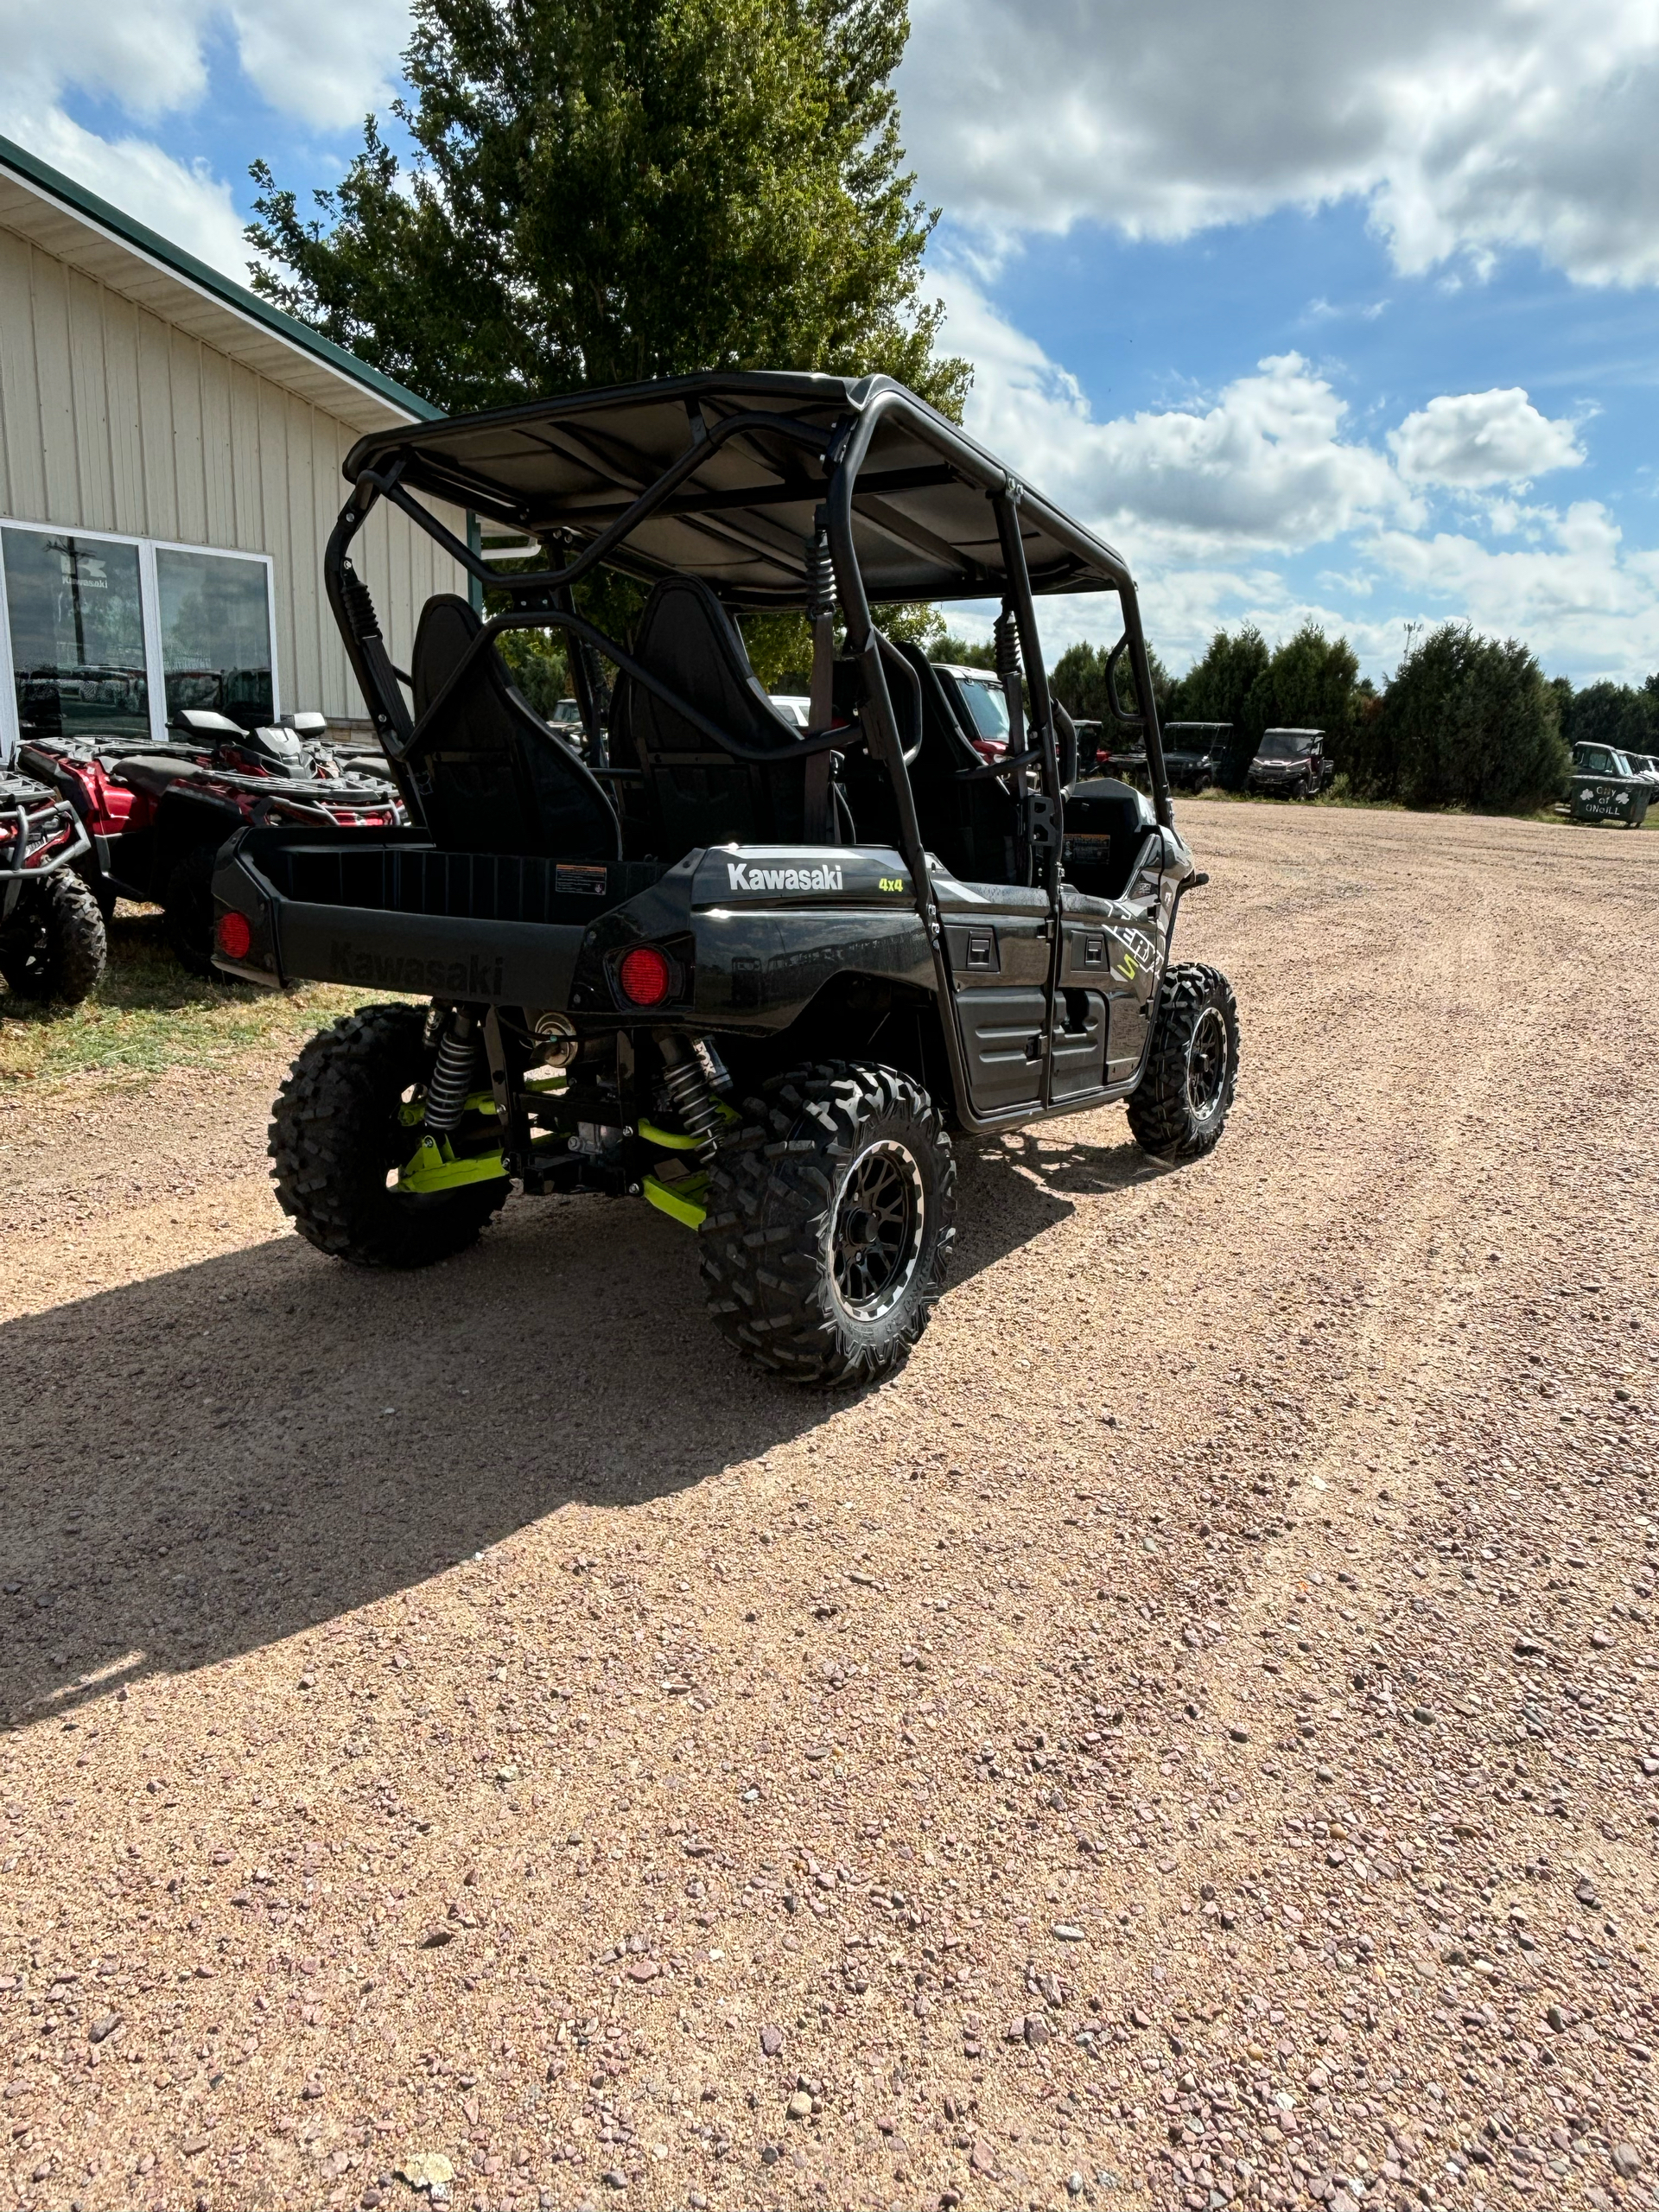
[478,977]
[745,878]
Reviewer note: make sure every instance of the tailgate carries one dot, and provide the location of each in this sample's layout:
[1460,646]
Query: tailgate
[401,916]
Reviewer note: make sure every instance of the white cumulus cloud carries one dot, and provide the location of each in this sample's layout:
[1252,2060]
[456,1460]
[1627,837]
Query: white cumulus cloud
[1262,466]
[183,204]
[1214,501]
[326,66]
[1494,126]
[1477,438]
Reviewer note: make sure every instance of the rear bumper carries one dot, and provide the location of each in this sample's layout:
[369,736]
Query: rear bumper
[753,933]
[344,939]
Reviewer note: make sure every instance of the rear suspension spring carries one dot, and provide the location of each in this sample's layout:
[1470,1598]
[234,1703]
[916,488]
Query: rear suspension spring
[451,1081]
[1006,633]
[687,1087]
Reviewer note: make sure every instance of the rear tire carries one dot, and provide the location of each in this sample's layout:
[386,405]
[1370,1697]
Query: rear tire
[337,1136]
[188,910]
[1181,1106]
[828,1228]
[54,946]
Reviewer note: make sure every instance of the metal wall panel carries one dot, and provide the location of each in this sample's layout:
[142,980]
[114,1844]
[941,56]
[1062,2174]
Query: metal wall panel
[112,420]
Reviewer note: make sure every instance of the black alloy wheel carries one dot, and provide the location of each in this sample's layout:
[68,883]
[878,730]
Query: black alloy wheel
[1185,1095]
[880,1212]
[828,1227]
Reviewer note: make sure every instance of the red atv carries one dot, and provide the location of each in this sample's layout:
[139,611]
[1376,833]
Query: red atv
[156,816]
[51,931]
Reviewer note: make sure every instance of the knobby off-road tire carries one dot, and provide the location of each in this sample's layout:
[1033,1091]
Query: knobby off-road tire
[336,1140]
[54,946]
[1180,1108]
[99,886]
[829,1228]
[188,909]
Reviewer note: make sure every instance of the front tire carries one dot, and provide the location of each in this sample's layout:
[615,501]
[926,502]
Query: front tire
[828,1228]
[54,946]
[338,1137]
[1181,1106]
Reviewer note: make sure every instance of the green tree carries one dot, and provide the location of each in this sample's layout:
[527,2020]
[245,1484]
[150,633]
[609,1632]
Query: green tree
[1613,714]
[1312,682]
[1230,683]
[1468,721]
[604,190]
[1077,680]
[963,652]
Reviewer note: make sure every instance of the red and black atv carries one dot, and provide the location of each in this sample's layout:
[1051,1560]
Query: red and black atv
[51,931]
[156,816]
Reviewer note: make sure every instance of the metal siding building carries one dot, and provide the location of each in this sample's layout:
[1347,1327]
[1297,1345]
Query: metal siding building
[146,398]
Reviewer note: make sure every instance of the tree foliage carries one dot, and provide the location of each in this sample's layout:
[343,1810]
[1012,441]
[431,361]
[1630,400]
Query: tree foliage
[1229,684]
[1468,721]
[1618,715]
[604,190]
[1077,680]
[964,652]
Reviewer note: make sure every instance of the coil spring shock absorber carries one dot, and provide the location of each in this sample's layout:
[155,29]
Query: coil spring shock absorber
[687,1087]
[451,1080]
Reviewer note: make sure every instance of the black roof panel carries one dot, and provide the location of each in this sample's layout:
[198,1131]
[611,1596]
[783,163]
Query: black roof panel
[923,526]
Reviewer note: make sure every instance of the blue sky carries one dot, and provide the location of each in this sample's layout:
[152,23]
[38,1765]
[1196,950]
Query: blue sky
[1317,309]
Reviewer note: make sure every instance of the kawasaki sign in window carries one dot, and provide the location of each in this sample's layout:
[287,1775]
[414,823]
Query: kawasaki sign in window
[104,637]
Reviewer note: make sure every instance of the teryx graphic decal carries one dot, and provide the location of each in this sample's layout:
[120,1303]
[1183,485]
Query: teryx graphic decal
[1134,953]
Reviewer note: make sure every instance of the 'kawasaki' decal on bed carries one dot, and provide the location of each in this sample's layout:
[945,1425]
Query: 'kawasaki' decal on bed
[746,878]
[478,977]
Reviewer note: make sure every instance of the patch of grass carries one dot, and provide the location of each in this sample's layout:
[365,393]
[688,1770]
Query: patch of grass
[147,1014]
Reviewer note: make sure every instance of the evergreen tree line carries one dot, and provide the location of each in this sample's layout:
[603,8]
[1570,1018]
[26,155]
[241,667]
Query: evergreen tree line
[1465,720]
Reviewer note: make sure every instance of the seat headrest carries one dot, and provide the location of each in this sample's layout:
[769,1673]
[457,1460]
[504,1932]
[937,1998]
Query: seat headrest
[447,626]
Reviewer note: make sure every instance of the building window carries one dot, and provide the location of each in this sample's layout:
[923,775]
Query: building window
[114,637]
[77,626]
[215,619]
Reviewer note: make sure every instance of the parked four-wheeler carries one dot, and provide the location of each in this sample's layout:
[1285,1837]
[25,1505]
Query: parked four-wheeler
[749,973]
[1195,753]
[51,931]
[154,816]
[1292,763]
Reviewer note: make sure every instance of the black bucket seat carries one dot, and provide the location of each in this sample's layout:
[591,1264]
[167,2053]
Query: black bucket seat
[968,822]
[680,789]
[493,778]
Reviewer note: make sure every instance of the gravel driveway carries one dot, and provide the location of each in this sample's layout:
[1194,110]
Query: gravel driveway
[1190,1739]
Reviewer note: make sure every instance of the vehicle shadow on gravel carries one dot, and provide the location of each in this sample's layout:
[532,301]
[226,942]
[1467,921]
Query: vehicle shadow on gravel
[254,1445]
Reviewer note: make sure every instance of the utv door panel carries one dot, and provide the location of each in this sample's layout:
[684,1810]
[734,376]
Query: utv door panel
[1080,1043]
[1022,946]
[1002,1039]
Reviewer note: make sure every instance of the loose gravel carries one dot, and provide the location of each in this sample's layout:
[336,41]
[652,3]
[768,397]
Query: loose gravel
[1189,1740]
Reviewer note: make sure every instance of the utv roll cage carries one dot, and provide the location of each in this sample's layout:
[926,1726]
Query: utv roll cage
[774,490]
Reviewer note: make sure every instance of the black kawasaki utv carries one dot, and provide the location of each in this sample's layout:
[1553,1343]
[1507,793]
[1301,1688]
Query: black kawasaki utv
[747,972]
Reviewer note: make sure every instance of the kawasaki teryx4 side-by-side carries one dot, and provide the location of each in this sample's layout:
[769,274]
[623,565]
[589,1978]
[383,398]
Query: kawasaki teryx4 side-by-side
[748,972]
[51,930]
[154,816]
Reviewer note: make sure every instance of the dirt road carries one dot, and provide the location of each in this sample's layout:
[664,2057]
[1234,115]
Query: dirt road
[1189,1740]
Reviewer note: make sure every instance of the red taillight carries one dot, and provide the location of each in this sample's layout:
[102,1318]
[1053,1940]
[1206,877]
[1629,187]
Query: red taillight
[645,975]
[235,936]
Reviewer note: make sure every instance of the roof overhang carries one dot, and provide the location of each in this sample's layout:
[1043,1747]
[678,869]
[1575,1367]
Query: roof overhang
[72,224]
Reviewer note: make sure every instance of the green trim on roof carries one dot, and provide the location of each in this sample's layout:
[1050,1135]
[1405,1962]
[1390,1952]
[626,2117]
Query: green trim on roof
[82,202]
